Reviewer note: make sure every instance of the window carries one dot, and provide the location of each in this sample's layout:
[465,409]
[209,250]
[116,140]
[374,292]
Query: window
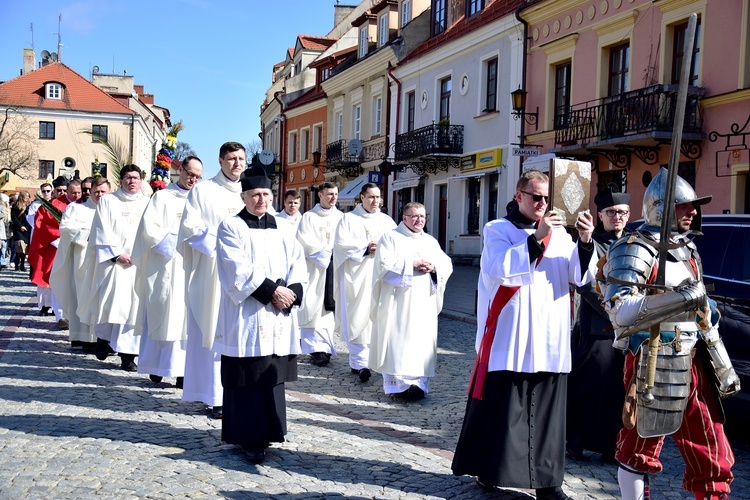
[293,147]
[339,121]
[318,138]
[99,132]
[99,168]
[615,180]
[357,122]
[46,130]
[473,7]
[562,95]
[53,91]
[445,99]
[472,222]
[363,42]
[438,16]
[618,69]
[411,100]
[490,82]
[304,145]
[46,168]
[377,115]
[405,12]
[383,29]
[678,53]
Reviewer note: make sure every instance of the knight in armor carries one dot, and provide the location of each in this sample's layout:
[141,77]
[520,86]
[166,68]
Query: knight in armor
[693,370]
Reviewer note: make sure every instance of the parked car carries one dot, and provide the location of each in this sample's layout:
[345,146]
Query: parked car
[725,252]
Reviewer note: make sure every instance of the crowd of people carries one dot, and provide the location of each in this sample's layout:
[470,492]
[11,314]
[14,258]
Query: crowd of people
[204,282]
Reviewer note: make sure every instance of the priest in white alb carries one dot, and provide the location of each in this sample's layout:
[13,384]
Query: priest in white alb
[69,269]
[262,273]
[316,231]
[354,249]
[161,279]
[411,271]
[113,302]
[208,203]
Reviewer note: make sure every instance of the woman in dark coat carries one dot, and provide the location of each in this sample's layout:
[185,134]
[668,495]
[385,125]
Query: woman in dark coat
[21,228]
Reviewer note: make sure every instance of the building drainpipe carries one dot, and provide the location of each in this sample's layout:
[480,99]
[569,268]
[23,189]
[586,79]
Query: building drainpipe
[523,72]
[282,148]
[388,124]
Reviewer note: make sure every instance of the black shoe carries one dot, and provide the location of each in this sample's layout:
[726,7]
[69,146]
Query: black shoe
[129,366]
[485,485]
[319,359]
[254,454]
[217,412]
[364,375]
[102,349]
[355,371]
[179,382]
[44,311]
[552,493]
[76,343]
[155,378]
[88,347]
[414,393]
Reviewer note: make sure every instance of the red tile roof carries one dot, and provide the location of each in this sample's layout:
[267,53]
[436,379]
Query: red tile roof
[78,93]
[463,26]
[310,42]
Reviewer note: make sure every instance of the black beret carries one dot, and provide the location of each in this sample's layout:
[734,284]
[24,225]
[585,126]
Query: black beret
[255,178]
[608,198]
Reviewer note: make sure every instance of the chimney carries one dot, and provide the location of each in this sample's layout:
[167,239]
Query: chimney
[340,12]
[29,61]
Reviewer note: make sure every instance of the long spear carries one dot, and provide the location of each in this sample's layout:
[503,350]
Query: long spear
[668,213]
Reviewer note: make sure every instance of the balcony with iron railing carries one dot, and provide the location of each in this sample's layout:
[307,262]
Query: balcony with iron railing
[638,114]
[430,141]
[338,159]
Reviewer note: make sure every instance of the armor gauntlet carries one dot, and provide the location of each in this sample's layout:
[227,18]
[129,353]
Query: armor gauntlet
[727,380]
[659,307]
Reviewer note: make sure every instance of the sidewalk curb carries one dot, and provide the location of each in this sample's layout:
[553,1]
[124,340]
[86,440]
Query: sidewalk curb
[458,316]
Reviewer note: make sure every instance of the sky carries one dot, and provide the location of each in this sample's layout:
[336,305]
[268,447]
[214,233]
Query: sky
[208,62]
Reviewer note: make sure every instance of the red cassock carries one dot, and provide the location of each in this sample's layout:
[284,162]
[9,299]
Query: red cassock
[41,252]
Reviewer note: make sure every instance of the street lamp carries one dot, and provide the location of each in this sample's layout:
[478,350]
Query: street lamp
[519,108]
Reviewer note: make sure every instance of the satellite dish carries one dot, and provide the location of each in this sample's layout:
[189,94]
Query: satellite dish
[355,147]
[45,54]
[53,57]
[69,163]
[265,157]
[95,70]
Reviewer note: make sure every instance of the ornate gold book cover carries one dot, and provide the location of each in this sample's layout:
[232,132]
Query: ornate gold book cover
[569,188]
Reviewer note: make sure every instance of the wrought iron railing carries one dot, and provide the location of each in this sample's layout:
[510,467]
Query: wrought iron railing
[432,140]
[639,111]
[338,159]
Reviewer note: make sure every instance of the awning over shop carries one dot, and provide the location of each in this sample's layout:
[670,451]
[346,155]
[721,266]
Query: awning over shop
[409,182]
[475,173]
[349,196]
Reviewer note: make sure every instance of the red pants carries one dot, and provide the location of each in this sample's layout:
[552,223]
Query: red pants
[700,439]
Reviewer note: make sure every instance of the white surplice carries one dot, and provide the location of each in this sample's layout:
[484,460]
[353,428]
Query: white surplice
[112,298]
[161,285]
[353,272]
[246,259]
[208,203]
[316,233]
[67,278]
[540,305]
[406,304]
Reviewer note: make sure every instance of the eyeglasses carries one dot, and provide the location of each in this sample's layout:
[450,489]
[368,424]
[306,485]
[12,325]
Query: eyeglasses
[129,178]
[537,197]
[417,216]
[46,190]
[193,176]
[611,213]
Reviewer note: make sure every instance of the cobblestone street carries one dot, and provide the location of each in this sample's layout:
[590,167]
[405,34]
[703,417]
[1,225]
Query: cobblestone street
[75,427]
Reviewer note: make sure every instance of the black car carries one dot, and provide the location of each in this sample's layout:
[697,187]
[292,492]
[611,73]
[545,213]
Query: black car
[725,251]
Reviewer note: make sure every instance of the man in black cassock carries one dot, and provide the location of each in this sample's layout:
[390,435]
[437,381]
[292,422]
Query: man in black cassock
[262,272]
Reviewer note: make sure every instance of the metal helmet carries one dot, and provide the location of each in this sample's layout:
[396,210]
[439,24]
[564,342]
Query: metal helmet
[653,200]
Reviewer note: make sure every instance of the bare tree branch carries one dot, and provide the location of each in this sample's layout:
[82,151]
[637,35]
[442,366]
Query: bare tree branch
[18,152]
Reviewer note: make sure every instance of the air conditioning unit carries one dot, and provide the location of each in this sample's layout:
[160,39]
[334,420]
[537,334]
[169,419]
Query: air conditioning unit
[69,163]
